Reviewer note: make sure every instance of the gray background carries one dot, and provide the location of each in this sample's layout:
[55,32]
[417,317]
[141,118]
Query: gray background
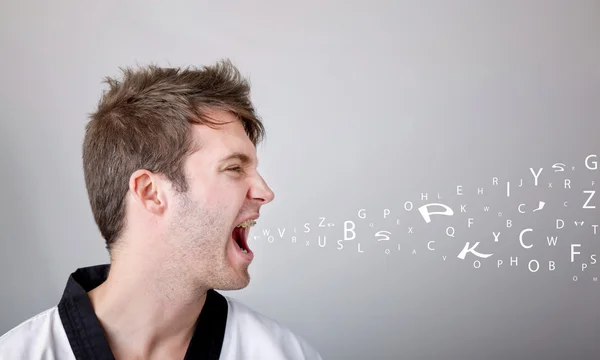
[367,105]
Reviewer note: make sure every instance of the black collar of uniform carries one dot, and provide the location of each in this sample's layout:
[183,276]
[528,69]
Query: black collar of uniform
[86,336]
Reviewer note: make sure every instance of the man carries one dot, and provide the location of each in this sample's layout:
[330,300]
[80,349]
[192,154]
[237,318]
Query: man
[170,167]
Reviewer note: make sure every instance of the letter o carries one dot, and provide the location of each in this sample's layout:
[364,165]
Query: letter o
[537,268]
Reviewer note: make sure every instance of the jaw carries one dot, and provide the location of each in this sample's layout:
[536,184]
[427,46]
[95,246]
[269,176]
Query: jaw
[239,276]
[234,275]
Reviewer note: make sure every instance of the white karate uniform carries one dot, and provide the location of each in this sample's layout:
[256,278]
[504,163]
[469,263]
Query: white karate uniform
[226,329]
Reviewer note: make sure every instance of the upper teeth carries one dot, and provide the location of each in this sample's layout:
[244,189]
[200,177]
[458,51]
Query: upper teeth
[247,223]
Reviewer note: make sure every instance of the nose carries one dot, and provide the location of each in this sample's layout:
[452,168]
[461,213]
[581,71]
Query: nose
[261,191]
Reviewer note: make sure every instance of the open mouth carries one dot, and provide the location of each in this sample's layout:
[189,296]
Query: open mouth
[240,236]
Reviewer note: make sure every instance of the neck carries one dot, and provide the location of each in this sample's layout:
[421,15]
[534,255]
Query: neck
[147,308]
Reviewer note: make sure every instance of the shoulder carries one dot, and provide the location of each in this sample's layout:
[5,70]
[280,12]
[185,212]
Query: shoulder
[269,338]
[39,337]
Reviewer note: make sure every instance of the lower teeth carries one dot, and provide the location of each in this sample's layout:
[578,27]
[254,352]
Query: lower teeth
[244,251]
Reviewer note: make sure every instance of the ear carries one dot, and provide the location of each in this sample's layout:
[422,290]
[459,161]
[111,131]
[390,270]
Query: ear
[147,189]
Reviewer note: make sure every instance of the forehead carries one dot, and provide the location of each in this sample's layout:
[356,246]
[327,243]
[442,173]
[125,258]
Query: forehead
[223,140]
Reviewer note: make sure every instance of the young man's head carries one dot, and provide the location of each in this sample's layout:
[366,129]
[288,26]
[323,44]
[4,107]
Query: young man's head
[171,171]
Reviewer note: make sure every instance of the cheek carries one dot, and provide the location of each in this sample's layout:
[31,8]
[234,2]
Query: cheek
[230,189]
[225,202]
[208,191]
[222,192]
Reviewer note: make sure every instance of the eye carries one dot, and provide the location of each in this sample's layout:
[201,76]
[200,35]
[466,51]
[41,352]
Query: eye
[236,169]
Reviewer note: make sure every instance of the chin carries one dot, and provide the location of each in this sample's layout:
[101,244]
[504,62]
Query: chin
[234,274]
[237,280]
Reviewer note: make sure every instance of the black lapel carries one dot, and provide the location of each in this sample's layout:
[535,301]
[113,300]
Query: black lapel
[87,338]
[207,340]
[78,317]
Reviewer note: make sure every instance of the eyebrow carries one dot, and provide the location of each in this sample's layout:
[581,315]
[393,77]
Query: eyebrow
[245,159]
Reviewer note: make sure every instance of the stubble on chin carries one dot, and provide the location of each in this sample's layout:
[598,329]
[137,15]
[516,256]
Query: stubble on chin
[199,237]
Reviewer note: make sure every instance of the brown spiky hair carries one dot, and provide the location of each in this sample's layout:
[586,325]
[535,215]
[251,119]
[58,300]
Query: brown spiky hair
[144,120]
